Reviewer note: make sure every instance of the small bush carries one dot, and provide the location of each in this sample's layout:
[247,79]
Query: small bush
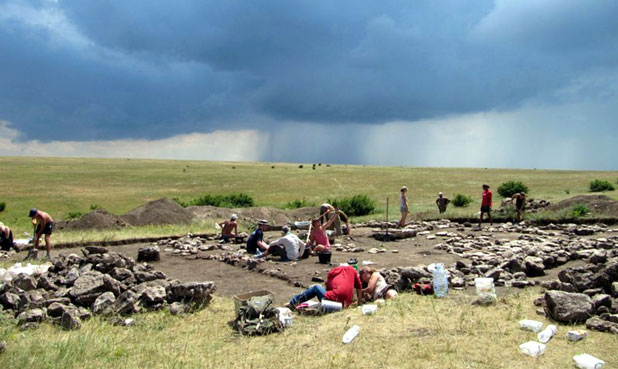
[356,205]
[567,191]
[297,204]
[2,206]
[95,207]
[460,200]
[74,215]
[235,200]
[510,188]
[300,166]
[599,186]
[579,210]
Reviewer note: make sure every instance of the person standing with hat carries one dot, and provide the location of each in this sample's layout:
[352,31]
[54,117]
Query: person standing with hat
[442,202]
[44,226]
[486,205]
[255,243]
[403,206]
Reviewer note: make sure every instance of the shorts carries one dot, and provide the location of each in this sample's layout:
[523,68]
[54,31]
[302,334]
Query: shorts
[403,209]
[485,209]
[49,228]
[278,250]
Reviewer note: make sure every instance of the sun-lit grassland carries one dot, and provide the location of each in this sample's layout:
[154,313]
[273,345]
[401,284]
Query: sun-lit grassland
[63,185]
[410,332]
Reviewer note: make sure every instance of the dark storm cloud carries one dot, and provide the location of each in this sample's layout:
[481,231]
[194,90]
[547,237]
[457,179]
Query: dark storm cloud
[155,68]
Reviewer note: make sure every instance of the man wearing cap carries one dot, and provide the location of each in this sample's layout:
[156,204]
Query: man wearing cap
[255,243]
[442,202]
[6,238]
[45,226]
[486,205]
[289,247]
[227,227]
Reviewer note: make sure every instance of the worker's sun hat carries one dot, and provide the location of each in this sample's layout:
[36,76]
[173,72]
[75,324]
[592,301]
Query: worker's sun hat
[440,194]
[234,217]
[32,212]
[263,222]
[404,188]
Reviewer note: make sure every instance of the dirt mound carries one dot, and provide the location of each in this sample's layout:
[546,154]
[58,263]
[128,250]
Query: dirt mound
[157,212]
[597,204]
[253,215]
[98,219]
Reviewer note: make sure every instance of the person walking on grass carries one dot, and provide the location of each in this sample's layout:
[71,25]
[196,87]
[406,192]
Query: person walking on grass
[44,226]
[486,205]
[403,206]
[442,202]
[520,203]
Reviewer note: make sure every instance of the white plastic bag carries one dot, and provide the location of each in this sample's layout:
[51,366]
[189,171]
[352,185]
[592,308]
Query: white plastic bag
[532,348]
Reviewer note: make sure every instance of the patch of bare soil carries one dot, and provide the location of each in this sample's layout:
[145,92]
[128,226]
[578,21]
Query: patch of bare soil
[158,212]
[98,219]
[253,215]
[597,204]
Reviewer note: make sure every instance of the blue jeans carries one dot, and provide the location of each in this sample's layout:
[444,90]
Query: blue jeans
[314,291]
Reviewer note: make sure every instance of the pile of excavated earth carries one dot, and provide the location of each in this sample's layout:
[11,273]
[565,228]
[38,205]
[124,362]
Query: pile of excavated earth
[98,282]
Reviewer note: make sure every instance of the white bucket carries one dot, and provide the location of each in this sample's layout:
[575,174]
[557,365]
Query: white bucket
[328,306]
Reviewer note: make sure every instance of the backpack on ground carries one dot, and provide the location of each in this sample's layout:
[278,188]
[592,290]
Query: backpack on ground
[258,317]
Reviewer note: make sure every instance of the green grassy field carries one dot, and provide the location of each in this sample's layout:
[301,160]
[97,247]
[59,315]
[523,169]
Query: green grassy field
[409,332]
[63,185]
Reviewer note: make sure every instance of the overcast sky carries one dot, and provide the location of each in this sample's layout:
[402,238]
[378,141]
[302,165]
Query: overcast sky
[479,83]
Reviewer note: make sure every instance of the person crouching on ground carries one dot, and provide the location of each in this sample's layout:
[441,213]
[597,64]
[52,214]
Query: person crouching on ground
[289,247]
[341,282]
[229,228]
[255,243]
[377,288]
[318,239]
[45,226]
[486,205]
[6,238]
[403,206]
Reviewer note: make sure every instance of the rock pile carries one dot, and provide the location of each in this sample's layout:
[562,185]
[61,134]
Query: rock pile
[190,245]
[588,293]
[99,282]
[532,206]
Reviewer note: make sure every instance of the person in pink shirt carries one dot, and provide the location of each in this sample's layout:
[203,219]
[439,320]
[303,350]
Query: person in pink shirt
[318,239]
[486,205]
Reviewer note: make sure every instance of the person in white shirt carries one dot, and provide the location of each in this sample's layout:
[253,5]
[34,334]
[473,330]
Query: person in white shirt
[288,247]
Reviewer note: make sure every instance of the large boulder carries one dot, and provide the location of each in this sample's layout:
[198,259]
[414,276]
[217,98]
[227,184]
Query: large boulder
[148,254]
[11,301]
[104,303]
[24,281]
[31,316]
[88,283]
[154,295]
[126,303]
[598,324]
[568,307]
[70,320]
[534,266]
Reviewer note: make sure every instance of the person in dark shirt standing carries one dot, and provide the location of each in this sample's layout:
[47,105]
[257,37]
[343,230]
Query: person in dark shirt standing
[442,202]
[486,205]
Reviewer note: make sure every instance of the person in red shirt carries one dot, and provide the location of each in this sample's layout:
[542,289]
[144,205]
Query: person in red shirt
[340,285]
[486,205]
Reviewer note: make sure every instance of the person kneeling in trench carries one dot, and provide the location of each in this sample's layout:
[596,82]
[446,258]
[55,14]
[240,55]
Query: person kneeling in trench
[377,288]
[340,285]
[318,239]
[289,247]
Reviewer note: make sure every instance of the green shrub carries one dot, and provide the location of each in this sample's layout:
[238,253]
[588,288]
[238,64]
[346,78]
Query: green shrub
[235,200]
[510,188]
[73,215]
[356,205]
[95,206]
[461,200]
[297,204]
[579,210]
[599,186]
[2,206]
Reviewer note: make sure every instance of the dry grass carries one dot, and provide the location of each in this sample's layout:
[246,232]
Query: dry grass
[410,332]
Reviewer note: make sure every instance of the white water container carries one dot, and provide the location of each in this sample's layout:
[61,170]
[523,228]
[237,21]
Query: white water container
[532,348]
[351,334]
[531,325]
[328,306]
[585,361]
[369,309]
[547,333]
